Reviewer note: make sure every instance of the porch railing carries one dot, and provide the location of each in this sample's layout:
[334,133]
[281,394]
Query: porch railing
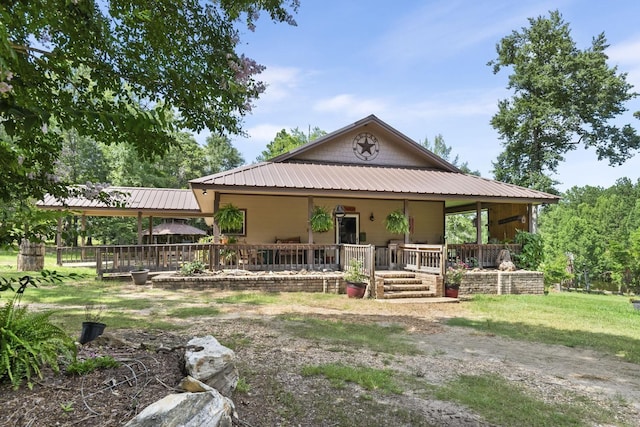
[366,254]
[483,256]
[419,257]
[170,257]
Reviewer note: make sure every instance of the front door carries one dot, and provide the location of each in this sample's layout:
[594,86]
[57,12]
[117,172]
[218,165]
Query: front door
[348,230]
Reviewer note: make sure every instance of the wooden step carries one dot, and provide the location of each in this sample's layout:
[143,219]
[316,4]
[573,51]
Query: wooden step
[395,274]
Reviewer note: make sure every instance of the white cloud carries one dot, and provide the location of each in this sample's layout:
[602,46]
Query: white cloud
[281,82]
[627,56]
[350,106]
[264,132]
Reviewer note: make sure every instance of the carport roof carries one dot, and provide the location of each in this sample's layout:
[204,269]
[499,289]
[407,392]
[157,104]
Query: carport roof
[157,202]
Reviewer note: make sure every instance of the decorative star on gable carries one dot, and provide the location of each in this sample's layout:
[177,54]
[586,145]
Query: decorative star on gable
[365,146]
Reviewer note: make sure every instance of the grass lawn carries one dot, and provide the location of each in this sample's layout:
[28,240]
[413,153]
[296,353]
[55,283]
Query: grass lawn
[602,322]
[606,323]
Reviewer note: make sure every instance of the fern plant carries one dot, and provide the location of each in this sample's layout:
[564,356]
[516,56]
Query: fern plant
[397,222]
[229,218]
[29,341]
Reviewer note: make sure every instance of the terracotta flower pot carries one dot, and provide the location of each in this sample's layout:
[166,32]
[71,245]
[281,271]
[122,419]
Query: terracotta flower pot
[356,290]
[450,293]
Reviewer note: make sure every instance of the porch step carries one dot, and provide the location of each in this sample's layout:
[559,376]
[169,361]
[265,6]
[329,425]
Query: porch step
[409,294]
[404,284]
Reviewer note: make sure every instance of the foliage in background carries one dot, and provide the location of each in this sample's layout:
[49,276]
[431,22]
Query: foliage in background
[532,254]
[29,341]
[133,73]
[285,142]
[441,149]
[597,228]
[563,98]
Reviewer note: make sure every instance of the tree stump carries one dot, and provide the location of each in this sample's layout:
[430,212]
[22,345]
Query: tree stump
[31,256]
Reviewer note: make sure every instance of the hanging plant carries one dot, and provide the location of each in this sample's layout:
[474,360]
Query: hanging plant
[397,222]
[229,218]
[321,219]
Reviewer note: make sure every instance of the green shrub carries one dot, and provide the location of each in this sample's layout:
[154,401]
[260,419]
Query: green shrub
[192,267]
[29,341]
[532,253]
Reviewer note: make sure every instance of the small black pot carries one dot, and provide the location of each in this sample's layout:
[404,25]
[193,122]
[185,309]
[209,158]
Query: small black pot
[91,331]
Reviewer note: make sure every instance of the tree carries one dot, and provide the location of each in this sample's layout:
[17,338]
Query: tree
[441,149]
[118,77]
[563,98]
[221,155]
[285,141]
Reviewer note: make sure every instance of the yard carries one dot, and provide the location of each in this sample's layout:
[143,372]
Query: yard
[565,359]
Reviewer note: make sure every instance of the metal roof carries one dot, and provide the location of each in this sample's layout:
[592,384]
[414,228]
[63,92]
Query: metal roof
[365,181]
[160,202]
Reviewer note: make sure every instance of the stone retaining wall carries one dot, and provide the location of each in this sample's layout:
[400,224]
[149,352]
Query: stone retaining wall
[332,283]
[502,282]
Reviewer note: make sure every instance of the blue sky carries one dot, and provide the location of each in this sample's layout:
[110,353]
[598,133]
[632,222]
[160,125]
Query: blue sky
[421,67]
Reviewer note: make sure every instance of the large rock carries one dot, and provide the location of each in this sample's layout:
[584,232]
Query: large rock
[212,363]
[209,409]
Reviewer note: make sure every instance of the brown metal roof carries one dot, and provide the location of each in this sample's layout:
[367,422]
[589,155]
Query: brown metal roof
[160,202]
[365,181]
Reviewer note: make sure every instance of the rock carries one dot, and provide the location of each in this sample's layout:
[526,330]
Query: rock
[507,266]
[193,385]
[212,363]
[187,410]
[503,256]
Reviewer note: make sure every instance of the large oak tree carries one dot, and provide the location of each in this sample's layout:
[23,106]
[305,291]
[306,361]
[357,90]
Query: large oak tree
[563,98]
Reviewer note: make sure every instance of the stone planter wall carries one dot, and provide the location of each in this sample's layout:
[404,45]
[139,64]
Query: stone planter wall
[502,282]
[332,283]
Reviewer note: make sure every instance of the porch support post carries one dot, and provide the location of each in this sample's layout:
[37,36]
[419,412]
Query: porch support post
[139,227]
[150,230]
[533,218]
[406,213]
[310,258]
[309,211]
[83,235]
[479,233]
[59,240]
[216,207]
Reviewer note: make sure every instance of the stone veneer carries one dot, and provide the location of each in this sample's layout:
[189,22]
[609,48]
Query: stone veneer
[328,283]
[496,282]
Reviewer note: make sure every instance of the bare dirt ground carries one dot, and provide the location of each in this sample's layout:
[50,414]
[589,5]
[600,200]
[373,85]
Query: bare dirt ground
[270,360]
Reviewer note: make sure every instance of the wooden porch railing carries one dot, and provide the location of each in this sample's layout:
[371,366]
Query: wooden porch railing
[425,258]
[483,256]
[266,257]
[366,254]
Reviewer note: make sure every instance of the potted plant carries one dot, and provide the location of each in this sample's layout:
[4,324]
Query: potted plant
[321,219]
[229,218]
[356,279]
[139,274]
[397,222]
[453,277]
[92,327]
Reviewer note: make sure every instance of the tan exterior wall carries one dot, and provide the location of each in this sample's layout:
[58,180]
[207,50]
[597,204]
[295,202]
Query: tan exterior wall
[506,231]
[271,217]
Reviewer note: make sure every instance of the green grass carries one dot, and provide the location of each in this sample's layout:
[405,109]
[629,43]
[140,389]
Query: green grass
[605,323]
[367,378]
[505,404]
[251,298]
[187,312]
[382,339]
